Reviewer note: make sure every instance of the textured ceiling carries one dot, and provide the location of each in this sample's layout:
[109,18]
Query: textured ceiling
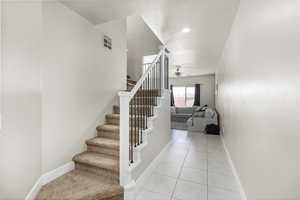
[197,52]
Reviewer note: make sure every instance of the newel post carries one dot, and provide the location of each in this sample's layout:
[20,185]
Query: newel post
[125,176]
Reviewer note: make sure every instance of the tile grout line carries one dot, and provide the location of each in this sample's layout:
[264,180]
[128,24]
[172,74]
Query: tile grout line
[181,168]
[218,173]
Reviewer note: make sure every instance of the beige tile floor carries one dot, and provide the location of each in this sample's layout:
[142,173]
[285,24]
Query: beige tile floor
[194,167]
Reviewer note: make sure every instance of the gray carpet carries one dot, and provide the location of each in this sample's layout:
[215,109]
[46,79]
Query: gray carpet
[179,125]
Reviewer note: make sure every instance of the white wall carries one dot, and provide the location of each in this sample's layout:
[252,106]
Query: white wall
[20,137]
[259,97]
[58,82]
[141,41]
[207,87]
[80,80]
[1,62]
[159,137]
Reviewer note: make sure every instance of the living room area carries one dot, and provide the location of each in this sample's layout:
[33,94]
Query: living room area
[193,102]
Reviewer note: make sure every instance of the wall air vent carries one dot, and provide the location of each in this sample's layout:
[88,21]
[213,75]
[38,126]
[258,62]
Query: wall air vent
[107,42]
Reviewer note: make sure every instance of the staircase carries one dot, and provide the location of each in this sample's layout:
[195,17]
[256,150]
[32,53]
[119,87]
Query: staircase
[97,170]
[96,173]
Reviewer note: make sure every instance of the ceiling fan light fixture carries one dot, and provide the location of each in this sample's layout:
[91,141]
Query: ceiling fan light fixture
[186,30]
[177,72]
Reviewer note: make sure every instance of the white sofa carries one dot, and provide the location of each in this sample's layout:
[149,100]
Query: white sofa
[181,114]
[199,120]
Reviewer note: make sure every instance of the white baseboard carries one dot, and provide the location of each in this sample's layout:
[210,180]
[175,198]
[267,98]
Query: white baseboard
[34,190]
[148,171]
[241,188]
[48,177]
[131,190]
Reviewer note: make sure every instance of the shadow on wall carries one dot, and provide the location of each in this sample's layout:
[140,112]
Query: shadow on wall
[141,41]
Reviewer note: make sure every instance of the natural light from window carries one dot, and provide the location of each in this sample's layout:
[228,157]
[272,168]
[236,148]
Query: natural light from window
[184,96]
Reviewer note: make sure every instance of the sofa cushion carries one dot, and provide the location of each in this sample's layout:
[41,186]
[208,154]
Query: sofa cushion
[180,117]
[173,110]
[184,110]
[209,113]
[199,114]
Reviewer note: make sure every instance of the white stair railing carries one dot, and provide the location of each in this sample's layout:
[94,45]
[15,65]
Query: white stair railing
[136,106]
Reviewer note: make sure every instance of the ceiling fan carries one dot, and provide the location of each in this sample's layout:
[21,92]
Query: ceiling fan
[177,72]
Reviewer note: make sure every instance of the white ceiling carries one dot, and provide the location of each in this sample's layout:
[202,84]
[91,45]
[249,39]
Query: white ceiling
[199,51]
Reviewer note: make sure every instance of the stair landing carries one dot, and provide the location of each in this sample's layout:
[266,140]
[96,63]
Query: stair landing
[80,185]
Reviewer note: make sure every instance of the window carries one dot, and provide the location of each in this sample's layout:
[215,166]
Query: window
[184,96]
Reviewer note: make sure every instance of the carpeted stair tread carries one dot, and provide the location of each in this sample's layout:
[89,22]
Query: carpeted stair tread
[138,105]
[98,160]
[113,119]
[130,85]
[144,109]
[80,185]
[117,116]
[113,116]
[104,142]
[144,97]
[131,81]
[108,128]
